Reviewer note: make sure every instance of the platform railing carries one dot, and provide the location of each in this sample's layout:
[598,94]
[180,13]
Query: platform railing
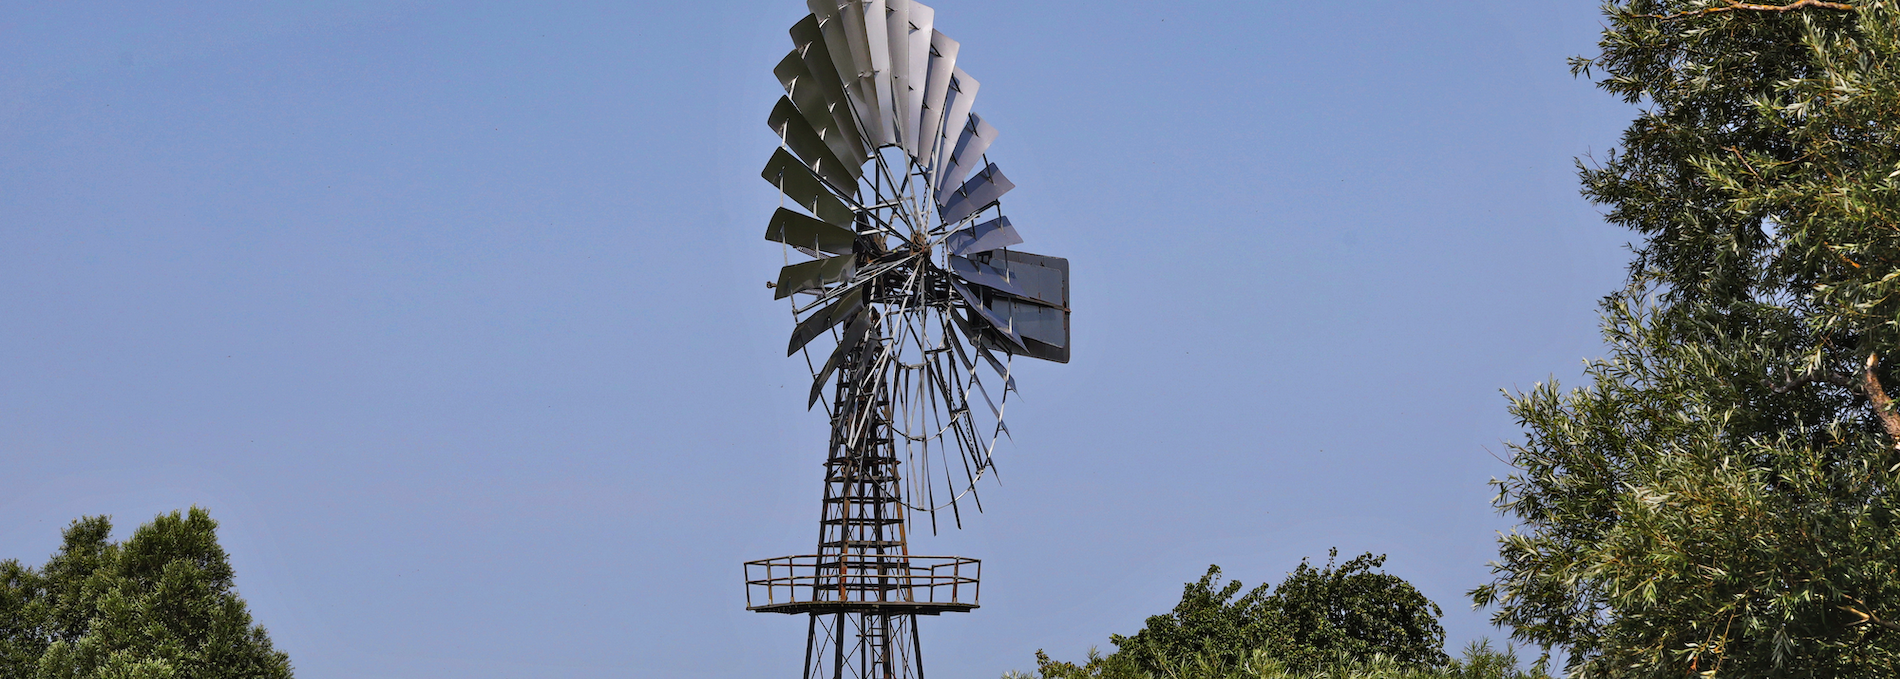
[811,580]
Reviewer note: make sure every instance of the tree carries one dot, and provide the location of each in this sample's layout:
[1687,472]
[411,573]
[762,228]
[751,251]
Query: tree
[1720,497]
[156,606]
[1316,618]
[1319,614]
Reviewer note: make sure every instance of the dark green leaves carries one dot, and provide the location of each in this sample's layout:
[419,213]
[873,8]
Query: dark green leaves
[1335,616]
[158,605]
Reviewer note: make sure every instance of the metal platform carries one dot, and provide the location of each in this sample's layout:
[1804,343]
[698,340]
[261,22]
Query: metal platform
[894,584]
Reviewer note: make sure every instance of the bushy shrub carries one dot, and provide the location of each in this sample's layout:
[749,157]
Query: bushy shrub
[1339,615]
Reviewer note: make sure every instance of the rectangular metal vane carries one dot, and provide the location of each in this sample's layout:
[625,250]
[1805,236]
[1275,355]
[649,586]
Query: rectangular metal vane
[980,192]
[809,39]
[990,235]
[792,128]
[801,185]
[971,143]
[798,230]
[822,320]
[814,274]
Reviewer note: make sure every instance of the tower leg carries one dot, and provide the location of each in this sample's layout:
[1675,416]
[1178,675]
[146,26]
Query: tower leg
[864,646]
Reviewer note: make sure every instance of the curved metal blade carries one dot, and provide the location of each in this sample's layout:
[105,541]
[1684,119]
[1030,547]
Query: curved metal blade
[1009,381]
[803,89]
[897,47]
[809,39]
[814,274]
[849,61]
[1000,325]
[868,18]
[962,96]
[853,334]
[976,138]
[922,19]
[802,185]
[990,235]
[791,127]
[800,231]
[980,192]
[943,63]
[983,274]
[817,323]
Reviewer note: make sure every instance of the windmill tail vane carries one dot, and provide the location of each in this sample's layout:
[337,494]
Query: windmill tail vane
[911,277]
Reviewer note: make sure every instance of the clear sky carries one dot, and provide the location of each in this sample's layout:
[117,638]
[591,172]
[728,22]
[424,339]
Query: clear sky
[453,314]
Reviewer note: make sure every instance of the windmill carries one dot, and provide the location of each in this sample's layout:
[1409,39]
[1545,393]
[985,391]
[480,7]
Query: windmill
[906,268]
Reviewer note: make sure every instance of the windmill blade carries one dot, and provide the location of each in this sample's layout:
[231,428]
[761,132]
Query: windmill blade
[817,323]
[943,63]
[975,139]
[974,335]
[853,334]
[997,323]
[985,275]
[814,274]
[821,65]
[869,18]
[1009,381]
[804,187]
[800,231]
[897,46]
[803,89]
[980,192]
[990,235]
[962,96]
[1044,280]
[849,62]
[809,146]
[922,19]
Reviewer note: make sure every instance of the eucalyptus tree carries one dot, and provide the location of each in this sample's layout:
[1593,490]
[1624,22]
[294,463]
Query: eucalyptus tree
[1720,496]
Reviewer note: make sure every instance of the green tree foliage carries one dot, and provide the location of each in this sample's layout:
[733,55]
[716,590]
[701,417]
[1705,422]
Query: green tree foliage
[1355,611]
[1480,661]
[1317,617]
[1720,497]
[156,606]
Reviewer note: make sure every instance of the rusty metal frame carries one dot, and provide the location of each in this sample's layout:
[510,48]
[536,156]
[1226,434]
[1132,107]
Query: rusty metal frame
[921,585]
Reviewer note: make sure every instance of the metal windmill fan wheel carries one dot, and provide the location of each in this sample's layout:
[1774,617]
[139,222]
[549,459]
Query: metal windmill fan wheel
[907,271]
[903,238]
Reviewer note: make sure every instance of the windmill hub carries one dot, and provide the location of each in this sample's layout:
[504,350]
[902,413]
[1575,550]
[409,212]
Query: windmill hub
[912,281]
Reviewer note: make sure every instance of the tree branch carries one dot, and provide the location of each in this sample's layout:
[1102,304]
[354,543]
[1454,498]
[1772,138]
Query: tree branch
[1867,618]
[1868,386]
[1812,376]
[1738,6]
[1883,404]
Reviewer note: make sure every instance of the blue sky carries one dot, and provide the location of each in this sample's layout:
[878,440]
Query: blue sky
[453,314]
